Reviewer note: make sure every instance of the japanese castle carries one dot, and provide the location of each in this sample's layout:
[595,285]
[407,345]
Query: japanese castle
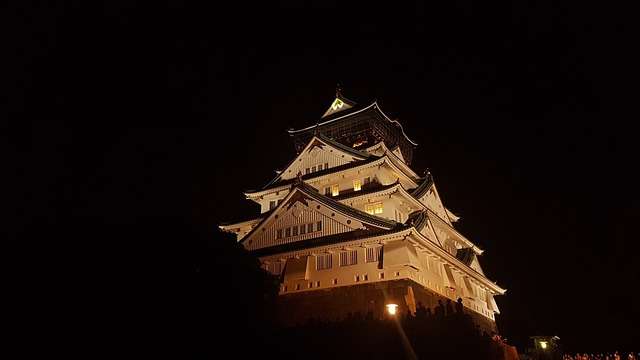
[349,226]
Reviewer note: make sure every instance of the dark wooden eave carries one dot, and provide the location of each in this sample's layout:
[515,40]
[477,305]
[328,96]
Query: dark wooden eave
[310,192]
[326,240]
[423,187]
[369,122]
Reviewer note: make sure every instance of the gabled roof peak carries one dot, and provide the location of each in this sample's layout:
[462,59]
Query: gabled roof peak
[340,103]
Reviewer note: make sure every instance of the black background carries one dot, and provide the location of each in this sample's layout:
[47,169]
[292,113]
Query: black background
[140,113]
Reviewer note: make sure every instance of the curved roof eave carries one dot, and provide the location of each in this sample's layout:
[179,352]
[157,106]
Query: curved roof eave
[345,209]
[452,259]
[326,140]
[350,166]
[395,122]
[374,105]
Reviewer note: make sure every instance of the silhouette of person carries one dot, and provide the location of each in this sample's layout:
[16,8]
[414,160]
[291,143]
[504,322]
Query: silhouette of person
[421,312]
[408,315]
[439,312]
[449,308]
[459,307]
[369,315]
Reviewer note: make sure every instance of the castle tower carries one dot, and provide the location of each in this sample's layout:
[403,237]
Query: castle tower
[350,227]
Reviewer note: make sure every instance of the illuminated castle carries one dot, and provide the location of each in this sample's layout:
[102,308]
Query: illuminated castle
[350,227]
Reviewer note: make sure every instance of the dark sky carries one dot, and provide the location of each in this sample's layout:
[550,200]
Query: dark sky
[132,111]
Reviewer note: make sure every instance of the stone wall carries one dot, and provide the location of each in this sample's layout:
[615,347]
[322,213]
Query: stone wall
[337,303]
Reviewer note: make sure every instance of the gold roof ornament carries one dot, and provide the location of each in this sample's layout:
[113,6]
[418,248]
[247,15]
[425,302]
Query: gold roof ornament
[340,103]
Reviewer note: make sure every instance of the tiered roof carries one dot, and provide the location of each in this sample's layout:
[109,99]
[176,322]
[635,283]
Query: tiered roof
[371,129]
[357,127]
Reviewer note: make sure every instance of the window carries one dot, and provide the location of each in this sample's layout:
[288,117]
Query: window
[287,232]
[357,278]
[303,229]
[298,287]
[295,231]
[327,190]
[306,171]
[373,253]
[397,273]
[319,167]
[326,166]
[317,283]
[357,185]
[365,277]
[398,215]
[285,288]
[319,226]
[348,258]
[309,228]
[334,281]
[324,261]
[335,191]
[276,267]
[310,284]
[375,208]
[366,181]
[313,169]
[279,235]
[381,275]
[272,204]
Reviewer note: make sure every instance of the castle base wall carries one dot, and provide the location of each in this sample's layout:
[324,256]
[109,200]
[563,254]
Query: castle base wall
[340,302]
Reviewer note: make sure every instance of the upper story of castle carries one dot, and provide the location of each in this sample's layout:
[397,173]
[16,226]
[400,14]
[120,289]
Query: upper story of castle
[357,166]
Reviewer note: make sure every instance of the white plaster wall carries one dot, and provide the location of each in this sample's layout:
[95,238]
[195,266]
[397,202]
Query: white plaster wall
[430,275]
[316,157]
[298,214]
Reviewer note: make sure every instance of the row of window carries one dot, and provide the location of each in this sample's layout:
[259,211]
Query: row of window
[347,258]
[334,190]
[273,203]
[373,208]
[318,167]
[356,278]
[298,230]
[275,267]
[325,261]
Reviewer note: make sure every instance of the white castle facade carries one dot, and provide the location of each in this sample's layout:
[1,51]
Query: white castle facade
[349,213]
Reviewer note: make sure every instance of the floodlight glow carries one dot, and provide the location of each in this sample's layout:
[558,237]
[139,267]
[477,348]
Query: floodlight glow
[392,308]
[543,344]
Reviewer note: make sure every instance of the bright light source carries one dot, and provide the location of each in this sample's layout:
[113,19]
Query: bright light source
[392,309]
[357,185]
[543,344]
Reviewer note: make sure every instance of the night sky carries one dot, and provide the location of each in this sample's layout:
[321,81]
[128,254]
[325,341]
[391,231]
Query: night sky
[136,113]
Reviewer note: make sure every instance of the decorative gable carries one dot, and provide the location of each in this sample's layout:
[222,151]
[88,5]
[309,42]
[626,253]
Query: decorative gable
[398,153]
[340,103]
[319,155]
[475,265]
[431,199]
[305,215]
